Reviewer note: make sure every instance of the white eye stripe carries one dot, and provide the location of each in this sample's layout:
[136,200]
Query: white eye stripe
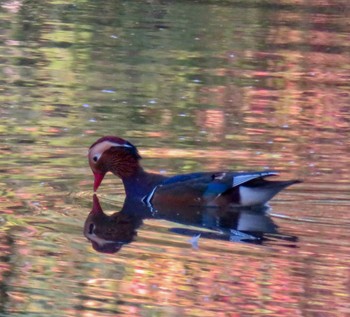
[96,157]
[96,151]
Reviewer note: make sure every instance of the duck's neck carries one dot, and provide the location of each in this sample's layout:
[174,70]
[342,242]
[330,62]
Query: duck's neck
[141,183]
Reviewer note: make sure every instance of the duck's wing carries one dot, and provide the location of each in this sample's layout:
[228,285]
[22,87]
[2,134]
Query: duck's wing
[207,189]
[252,189]
[242,178]
[180,190]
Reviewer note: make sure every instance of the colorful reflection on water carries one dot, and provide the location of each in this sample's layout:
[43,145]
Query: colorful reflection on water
[197,86]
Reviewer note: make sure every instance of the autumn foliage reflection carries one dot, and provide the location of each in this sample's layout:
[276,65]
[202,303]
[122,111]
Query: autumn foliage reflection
[201,85]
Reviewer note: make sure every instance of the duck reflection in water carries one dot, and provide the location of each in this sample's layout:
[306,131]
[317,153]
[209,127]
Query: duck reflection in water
[108,233]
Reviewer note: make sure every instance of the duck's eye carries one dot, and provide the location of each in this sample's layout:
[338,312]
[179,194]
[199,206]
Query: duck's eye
[95,158]
[91,228]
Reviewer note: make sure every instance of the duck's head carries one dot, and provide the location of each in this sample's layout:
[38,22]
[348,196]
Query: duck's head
[113,154]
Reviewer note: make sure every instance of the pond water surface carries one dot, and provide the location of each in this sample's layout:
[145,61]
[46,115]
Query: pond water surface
[197,86]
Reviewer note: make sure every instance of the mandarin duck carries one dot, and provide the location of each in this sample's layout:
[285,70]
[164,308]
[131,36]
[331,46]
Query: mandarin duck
[238,189]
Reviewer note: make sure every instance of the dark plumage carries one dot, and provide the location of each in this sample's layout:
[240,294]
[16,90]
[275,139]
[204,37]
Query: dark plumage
[113,154]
